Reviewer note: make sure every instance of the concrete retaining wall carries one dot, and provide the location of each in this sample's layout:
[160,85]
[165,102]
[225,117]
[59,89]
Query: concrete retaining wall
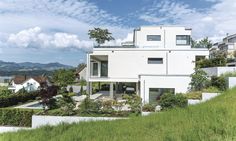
[217,71]
[38,121]
[205,97]
[231,82]
[4,129]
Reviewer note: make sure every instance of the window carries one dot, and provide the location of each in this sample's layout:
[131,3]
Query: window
[153,37]
[155,60]
[182,40]
[95,69]
[156,93]
[104,69]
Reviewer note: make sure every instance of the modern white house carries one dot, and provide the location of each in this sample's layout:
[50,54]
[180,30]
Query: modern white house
[228,45]
[28,83]
[160,60]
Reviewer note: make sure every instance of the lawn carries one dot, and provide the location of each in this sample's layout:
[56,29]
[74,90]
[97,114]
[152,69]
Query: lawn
[213,120]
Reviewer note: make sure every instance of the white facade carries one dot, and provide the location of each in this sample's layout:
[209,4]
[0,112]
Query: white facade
[82,74]
[228,45]
[160,58]
[217,71]
[28,85]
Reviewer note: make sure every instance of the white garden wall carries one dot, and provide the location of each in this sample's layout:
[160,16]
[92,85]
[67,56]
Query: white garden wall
[38,121]
[231,82]
[217,71]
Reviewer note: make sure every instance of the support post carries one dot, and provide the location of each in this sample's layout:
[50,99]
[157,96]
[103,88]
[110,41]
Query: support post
[111,91]
[137,88]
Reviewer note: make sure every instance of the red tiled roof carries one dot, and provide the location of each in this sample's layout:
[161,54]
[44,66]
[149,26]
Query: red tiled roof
[22,79]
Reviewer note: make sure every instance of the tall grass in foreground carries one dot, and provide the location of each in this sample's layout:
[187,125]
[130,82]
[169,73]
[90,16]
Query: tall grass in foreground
[213,120]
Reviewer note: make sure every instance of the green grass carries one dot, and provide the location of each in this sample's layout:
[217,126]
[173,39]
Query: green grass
[214,120]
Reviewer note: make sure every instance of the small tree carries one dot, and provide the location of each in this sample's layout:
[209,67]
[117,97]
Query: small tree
[46,94]
[198,80]
[82,84]
[100,35]
[63,77]
[204,43]
[67,104]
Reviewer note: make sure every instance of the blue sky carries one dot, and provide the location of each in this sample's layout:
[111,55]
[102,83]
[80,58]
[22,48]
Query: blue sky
[56,30]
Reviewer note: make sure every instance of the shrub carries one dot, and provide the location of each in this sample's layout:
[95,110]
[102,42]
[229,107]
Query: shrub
[212,62]
[135,102]
[194,95]
[5,92]
[148,108]
[211,89]
[16,117]
[169,101]
[107,106]
[66,104]
[14,99]
[181,101]
[218,82]
[71,89]
[89,106]
[198,80]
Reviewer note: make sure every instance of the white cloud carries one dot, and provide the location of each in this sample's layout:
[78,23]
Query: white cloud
[213,22]
[35,37]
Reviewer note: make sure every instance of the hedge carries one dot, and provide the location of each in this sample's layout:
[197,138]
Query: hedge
[16,117]
[14,99]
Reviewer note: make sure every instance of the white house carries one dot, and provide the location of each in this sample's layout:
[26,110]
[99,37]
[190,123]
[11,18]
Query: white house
[228,45]
[28,83]
[4,80]
[81,72]
[160,60]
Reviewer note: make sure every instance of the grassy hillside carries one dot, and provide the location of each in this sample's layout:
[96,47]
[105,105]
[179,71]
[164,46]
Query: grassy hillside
[214,120]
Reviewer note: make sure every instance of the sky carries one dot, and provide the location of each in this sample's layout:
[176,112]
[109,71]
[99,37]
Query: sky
[57,30]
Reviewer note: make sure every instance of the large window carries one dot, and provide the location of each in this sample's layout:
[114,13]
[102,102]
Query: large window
[182,40]
[156,93]
[155,60]
[104,69]
[95,69]
[153,37]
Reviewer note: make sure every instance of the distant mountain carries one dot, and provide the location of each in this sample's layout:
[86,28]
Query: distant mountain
[29,66]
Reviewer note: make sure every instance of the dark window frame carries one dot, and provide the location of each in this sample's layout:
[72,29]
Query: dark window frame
[152,38]
[155,60]
[188,42]
[93,74]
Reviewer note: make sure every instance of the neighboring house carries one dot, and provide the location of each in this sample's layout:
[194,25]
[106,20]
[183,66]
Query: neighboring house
[228,45]
[5,80]
[28,83]
[160,60]
[81,72]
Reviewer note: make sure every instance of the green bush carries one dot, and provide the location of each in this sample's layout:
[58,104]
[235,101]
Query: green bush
[89,106]
[66,104]
[135,102]
[5,92]
[212,62]
[14,99]
[15,117]
[169,101]
[194,95]
[211,89]
[148,108]
[218,82]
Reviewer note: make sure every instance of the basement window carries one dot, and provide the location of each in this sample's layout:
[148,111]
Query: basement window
[155,60]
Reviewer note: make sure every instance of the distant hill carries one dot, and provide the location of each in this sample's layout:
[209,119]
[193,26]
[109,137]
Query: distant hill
[29,66]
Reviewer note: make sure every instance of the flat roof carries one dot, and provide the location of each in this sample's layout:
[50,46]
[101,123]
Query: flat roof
[149,49]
